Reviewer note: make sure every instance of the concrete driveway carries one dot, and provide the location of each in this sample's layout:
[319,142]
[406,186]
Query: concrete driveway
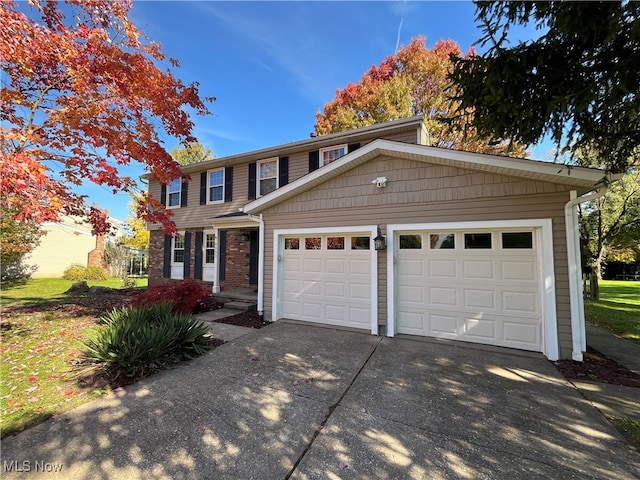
[304,402]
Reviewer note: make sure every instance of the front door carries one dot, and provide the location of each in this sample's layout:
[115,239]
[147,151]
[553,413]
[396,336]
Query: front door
[253,257]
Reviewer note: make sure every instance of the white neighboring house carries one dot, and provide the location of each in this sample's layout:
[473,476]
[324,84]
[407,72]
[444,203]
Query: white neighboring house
[67,242]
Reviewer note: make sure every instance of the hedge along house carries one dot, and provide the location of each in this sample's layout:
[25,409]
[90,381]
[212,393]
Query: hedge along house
[477,248]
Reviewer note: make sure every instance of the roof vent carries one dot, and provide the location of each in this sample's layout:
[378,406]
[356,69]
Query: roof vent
[313,135]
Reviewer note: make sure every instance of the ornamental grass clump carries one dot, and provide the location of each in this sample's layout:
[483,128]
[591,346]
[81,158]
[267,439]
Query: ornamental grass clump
[137,341]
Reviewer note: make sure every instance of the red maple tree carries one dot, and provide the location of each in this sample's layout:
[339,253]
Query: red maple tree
[84,92]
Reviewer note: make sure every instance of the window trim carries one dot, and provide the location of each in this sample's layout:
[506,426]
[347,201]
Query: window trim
[258,179]
[222,184]
[344,146]
[170,192]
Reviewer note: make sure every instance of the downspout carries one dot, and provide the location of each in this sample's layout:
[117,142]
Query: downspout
[260,306]
[576,300]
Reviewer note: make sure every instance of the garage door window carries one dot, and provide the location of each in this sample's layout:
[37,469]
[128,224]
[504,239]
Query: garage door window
[360,243]
[477,241]
[292,244]
[511,240]
[442,241]
[335,243]
[312,243]
[410,242]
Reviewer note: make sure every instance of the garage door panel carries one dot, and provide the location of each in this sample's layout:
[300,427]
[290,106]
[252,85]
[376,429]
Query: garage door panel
[476,298]
[312,310]
[334,313]
[443,296]
[478,270]
[480,329]
[519,302]
[411,268]
[312,265]
[360,266]
[334,290]
[520,335]
[490,296]
[334,266]
[312,288]
[360,317]
[444,324]
[360,291]
[412,295]
[446,269]
[513,271]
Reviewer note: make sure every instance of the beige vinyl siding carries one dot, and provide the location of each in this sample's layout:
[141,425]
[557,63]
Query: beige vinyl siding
[410,136]
[422,193]
[195,215]
[298,165]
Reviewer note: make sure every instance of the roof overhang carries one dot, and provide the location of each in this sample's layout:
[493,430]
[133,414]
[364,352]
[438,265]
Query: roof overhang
[583,179]
[234,221]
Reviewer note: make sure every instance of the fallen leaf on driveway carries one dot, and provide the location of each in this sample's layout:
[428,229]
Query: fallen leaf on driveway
[255,374]
[201,428]
[308,380]
[296,383]
[363,410]
[342,465]
[255,359]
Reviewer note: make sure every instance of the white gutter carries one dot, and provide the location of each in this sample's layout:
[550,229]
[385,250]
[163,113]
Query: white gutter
[576,300]
[260,306]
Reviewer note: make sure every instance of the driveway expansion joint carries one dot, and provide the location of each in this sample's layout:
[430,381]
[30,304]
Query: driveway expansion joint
[330,411]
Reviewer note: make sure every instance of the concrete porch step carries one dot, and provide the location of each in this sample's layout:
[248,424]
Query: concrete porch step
[240,305]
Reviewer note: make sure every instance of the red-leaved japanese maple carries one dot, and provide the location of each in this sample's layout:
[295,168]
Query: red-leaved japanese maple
[84,93]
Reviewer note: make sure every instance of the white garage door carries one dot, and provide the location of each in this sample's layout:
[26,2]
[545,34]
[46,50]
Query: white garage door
[327,279]
[476,286]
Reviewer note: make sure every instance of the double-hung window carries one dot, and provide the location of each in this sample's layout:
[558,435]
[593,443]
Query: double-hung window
[267,176]
[178,249]
[331,154]
[215,185]
[174,191]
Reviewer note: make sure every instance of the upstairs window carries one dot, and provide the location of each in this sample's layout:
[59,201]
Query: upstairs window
[331,154]
[267,176]
[174,192]
[215,185]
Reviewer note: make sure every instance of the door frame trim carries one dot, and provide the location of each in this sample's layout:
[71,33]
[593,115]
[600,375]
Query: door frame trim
[544,242]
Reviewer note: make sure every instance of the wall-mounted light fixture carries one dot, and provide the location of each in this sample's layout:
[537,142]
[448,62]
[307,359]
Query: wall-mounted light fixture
[380,182]
[380,242]
[245,237]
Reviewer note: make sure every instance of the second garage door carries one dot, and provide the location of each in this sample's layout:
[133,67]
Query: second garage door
[477,286]
[328,279]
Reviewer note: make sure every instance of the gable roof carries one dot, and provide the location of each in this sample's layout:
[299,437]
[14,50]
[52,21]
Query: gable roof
[583,179]
[312,143]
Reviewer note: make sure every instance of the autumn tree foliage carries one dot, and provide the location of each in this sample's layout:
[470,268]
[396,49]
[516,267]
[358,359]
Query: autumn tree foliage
[192,153]
[414,81]
[84,93]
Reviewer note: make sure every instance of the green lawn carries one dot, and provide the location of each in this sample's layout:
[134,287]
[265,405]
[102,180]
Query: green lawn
[43,289]
[42,329]
[618,308]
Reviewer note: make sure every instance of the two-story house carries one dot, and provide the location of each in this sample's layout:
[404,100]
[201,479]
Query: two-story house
[376,230]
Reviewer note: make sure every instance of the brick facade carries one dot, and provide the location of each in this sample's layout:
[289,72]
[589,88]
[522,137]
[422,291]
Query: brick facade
[236,261]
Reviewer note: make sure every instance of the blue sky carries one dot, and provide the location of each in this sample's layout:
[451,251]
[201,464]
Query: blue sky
[273,65]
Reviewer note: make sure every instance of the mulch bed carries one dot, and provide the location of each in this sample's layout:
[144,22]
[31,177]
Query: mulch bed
[597,367]
[245,319]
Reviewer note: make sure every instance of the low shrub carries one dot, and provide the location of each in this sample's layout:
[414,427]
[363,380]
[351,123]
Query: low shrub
[137,341]
[96,273]
[77,272]
[183,296]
